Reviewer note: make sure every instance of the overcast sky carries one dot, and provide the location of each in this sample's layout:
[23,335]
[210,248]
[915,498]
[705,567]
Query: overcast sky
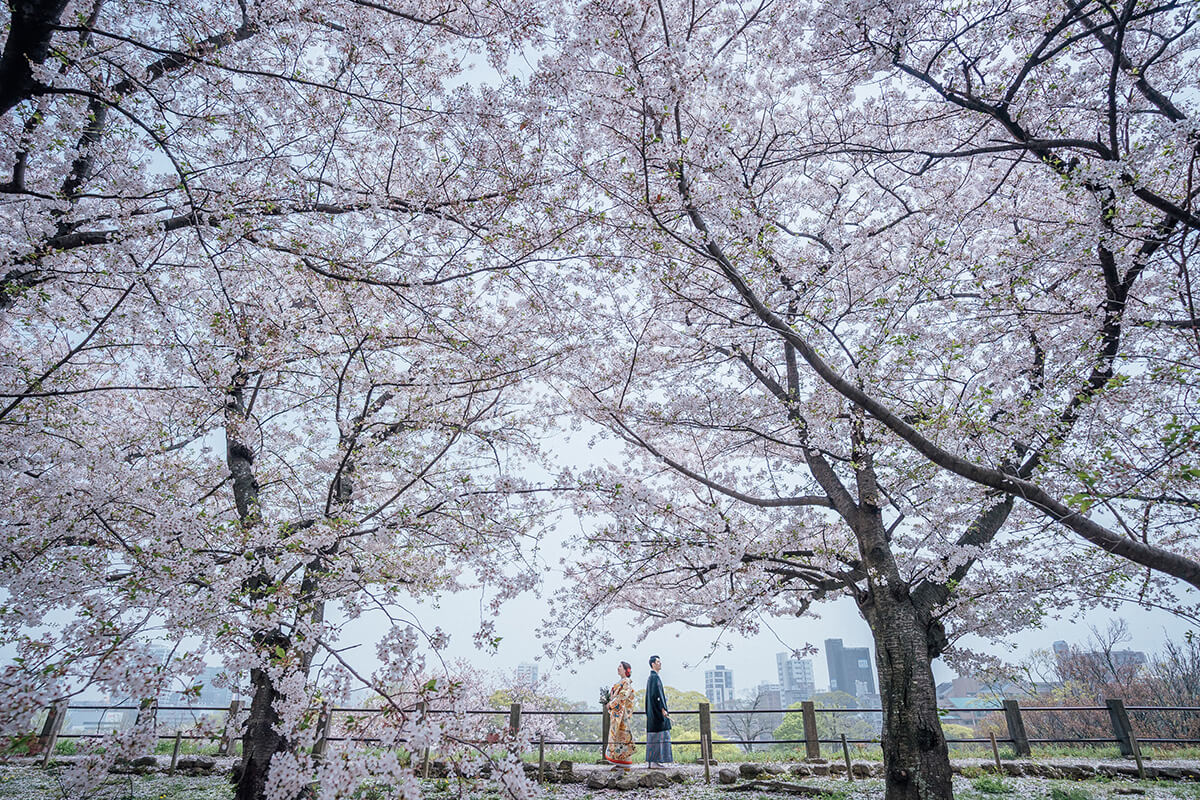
[687,653]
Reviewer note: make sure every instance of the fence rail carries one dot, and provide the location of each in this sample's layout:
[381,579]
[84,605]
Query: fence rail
[1123,731]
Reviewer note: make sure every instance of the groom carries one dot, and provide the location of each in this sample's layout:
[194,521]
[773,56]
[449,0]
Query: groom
[658,719]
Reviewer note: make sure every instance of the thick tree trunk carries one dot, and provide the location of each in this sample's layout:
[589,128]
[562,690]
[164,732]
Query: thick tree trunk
[261,740]
[32,25]
[915,757]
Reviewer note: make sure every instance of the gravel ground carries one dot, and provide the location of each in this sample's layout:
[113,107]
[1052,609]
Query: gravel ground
[31,783]
[25,782]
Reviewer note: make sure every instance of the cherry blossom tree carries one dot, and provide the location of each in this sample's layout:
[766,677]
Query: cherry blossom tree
[266,350]
[818,310]
[860,280]
[306,451]
[1099,98]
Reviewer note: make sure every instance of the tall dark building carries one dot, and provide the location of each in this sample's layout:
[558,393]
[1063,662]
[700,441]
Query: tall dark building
[849,669]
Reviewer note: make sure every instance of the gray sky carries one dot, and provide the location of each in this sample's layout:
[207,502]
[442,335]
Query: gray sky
[687,653]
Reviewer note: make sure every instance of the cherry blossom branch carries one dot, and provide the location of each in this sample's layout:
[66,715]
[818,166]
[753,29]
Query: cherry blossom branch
[764,502]
[1142,553]
[35,386]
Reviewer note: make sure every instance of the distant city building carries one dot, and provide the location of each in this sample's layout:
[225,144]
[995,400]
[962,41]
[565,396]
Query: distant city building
[96,717]
[176,709]
[867,700]
[1131,660]
[849,669]
[795,679]
[967,700]
[996,689]
[718,686]
[527,674]
[769,695]
[211,699]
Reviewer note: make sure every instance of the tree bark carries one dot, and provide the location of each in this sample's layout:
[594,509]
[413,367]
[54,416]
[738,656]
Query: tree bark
[916,760]
[915,756]
[33,24]
[262,739]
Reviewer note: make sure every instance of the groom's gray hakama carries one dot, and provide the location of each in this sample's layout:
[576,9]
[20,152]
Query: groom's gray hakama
[658,727]
[658,747]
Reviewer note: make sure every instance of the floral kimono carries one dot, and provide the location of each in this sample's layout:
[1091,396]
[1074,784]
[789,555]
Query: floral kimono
[620,735]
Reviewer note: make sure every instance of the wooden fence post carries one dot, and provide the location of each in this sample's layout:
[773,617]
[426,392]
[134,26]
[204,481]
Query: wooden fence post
[541,758]
[706,747]
[808,713]
[227,735]
[514,718]
[324,721]
[1016,728]
[706,734]
[175,752]
[423,710]
[49,736]
[1137,755]
[846,753]
[605,726]
[1120,724]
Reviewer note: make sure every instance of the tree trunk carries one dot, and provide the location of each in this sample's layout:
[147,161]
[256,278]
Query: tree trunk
[261,741]
[915,757]
[31,27]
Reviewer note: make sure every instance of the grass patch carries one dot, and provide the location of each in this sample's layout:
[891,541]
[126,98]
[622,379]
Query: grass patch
[990,784]
[589,756]
[1067,792]
[191,747]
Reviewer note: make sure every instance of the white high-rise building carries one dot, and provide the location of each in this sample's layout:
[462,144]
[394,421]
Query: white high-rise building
[795,678]
[527,675]
[718,686]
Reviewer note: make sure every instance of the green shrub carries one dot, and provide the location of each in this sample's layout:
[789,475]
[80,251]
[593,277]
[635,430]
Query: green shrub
[24,744]
[188,747]
[589,756]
